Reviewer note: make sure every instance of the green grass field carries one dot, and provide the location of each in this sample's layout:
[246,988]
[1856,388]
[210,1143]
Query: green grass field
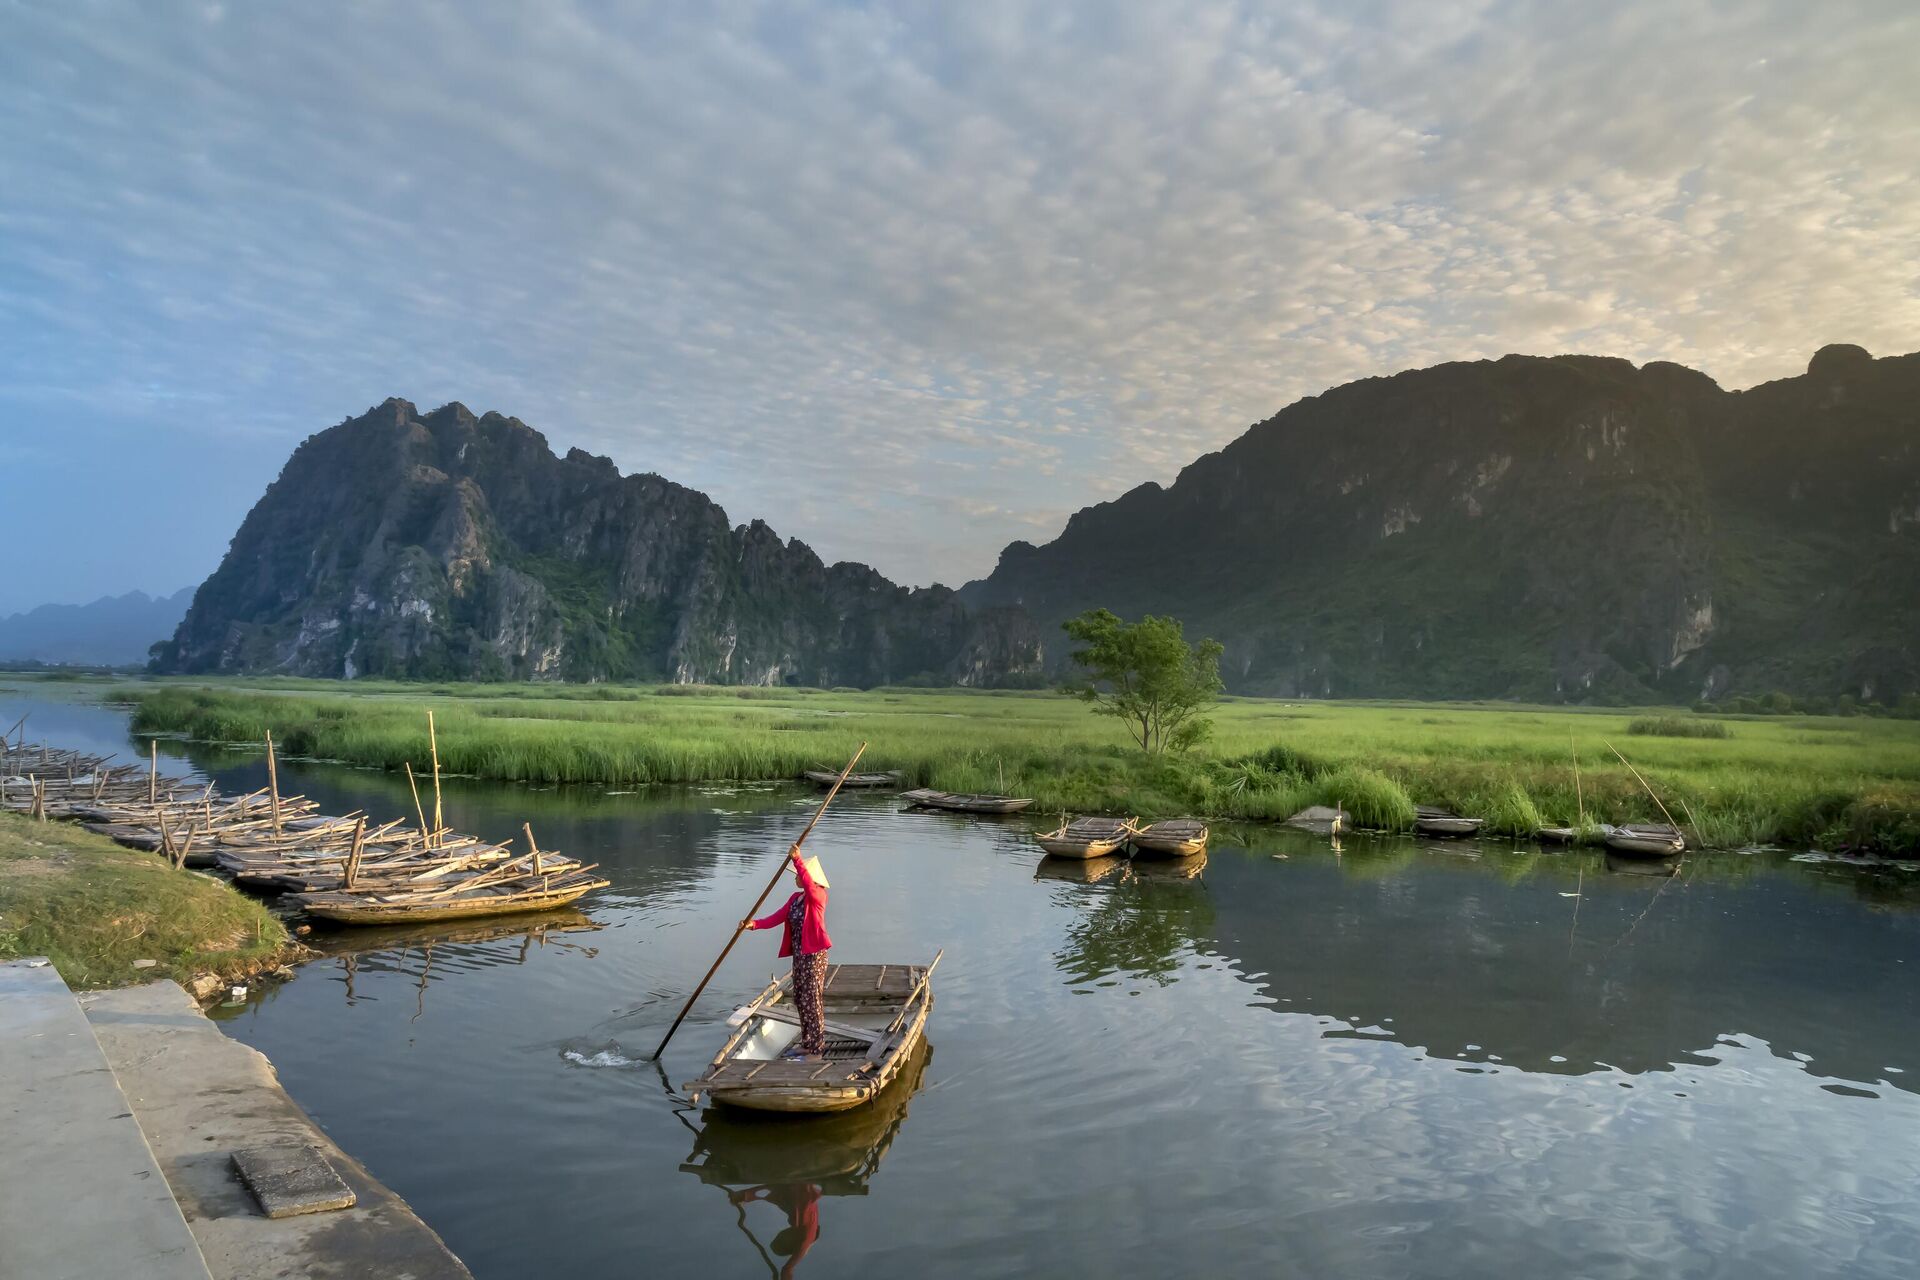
[94,908]
[1805,781]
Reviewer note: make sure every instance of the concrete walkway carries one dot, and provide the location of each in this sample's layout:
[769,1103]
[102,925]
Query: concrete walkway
[199,1096]
[81,1195]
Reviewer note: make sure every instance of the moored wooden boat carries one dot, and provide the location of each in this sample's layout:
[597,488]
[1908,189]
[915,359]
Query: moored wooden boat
[1555,835]
[494,899]
[825,778]
[1646,840]
[1088,837]
[963,802]
[1171,838]
[876,1017]
[1429,821]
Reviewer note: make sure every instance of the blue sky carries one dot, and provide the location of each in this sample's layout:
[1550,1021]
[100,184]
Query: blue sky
[908,282]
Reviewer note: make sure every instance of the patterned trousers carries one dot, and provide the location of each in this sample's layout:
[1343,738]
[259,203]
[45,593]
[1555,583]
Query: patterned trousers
[808,972]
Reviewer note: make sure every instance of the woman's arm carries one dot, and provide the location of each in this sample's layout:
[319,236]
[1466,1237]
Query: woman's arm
[773,921]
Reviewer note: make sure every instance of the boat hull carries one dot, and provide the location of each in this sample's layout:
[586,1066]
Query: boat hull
[467,909]
[1086,850]
[1646,846]
[1448,828]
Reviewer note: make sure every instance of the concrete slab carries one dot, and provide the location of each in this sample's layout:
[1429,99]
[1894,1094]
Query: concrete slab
[81,1194]
[289,1179]
[199,1097]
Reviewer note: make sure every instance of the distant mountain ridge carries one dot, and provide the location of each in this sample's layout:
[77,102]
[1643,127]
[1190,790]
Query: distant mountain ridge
[1564,527]
[1560,528]
[113,631]
[452,546]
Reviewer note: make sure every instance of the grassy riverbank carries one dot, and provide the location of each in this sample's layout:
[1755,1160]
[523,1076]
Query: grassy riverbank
[93,908]
[1804,781]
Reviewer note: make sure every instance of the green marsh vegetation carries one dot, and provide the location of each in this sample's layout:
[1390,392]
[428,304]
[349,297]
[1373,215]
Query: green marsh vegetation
[1826,783]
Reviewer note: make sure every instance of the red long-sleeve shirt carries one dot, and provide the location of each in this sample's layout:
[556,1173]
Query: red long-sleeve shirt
[813,927]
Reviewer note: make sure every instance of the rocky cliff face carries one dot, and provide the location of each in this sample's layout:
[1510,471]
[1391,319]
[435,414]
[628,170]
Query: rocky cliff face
[1556,528]
[446,545]
[1569,528]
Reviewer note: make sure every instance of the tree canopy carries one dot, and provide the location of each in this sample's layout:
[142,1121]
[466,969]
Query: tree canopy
[1147,676]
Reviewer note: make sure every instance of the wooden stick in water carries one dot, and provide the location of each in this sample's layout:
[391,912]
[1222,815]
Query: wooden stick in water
[738,929]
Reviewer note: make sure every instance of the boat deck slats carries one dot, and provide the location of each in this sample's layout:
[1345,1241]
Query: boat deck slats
[869,983]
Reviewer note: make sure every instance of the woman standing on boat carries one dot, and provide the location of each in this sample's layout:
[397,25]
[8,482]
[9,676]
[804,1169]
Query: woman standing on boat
[806,940]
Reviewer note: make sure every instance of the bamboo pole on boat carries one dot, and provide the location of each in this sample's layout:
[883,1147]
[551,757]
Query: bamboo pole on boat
[793,853]
[433,746]
[273,785]
[1649,786]
[528,828]
[1579,794]
[353,854]
[425,841]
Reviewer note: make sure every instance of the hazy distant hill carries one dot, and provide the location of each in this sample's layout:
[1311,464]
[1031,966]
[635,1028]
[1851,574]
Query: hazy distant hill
[113,631]
[1562,527]
[1557,528]
[446,545]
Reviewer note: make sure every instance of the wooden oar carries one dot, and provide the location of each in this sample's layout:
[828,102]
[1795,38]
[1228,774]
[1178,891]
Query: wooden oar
[738,929]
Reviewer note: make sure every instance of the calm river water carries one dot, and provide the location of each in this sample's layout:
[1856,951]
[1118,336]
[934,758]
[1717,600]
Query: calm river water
[1390,1059]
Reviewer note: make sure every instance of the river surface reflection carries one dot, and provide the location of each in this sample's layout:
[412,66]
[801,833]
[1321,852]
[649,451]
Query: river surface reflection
[1392,1059]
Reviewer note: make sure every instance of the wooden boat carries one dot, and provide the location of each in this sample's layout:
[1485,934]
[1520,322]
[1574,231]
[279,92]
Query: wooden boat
[1079,870]
[1086,838]
[823,778]
[1321,820]
[454,903]
[1646,840]
[1173,838]
[1555,835]
[837,1153]
[1429,821]
[876,1017]
[962,802]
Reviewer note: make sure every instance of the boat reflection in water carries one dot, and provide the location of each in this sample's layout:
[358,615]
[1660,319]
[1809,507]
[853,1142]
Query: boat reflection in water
[1142,924]
[792,1162]
[1079,870]
[454,946]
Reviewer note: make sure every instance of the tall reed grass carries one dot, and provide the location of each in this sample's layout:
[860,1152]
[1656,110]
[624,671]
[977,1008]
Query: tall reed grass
[1854,784]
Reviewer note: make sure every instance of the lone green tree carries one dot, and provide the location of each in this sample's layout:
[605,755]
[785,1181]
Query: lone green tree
[1147,676]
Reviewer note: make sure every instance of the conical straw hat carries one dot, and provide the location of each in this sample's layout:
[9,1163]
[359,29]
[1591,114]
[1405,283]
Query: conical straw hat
[818,872]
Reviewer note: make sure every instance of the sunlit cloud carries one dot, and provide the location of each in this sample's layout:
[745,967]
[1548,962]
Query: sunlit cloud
[911,284]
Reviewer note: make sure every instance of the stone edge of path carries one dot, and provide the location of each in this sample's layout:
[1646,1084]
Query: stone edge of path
[82,1193]
[199,1096]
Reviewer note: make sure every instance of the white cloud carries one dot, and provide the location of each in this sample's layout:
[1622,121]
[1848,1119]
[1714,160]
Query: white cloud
[824,262]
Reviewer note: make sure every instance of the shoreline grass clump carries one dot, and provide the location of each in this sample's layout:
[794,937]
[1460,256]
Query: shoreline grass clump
[93,908]
[1854,784]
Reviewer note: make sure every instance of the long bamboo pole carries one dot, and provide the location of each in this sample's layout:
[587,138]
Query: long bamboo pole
[153,771]
[433,746]
[793,853]
[273,785]
[1649,786]
[425,842]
